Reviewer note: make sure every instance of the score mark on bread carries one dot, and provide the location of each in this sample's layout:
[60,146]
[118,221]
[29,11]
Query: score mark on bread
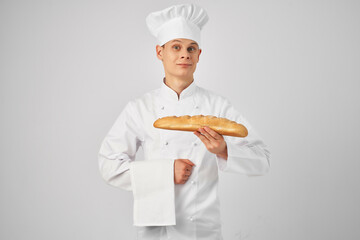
[223,126]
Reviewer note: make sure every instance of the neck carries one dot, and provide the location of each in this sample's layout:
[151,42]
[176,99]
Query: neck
[178,84]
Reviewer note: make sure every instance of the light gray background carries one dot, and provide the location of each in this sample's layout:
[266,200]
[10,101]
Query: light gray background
[68,68]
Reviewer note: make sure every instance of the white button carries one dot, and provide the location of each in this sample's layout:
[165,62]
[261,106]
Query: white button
[192,182]
[162,107]
[195,144]
[192,218]
[166,143]
[196,107]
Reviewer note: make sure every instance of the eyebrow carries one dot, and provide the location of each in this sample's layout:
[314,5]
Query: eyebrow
[181,42]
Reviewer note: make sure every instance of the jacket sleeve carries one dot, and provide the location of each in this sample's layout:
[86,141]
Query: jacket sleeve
[249,155]
[151,181]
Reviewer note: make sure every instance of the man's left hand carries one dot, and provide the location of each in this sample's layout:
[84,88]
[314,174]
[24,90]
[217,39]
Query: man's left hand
[213,141]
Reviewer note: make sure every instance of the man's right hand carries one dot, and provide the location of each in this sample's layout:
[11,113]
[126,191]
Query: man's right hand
[182,170]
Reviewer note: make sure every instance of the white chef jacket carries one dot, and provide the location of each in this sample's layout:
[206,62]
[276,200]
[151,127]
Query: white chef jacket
[162,209]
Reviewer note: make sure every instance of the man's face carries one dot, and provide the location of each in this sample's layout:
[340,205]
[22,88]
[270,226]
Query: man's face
[179,57]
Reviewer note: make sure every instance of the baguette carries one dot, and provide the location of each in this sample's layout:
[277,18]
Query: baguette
[222,126]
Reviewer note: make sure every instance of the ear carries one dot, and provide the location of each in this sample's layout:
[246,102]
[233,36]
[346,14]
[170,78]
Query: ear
[199,55]
[159,52]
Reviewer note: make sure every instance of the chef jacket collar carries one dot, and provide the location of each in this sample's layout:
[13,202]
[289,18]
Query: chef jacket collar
[169,93]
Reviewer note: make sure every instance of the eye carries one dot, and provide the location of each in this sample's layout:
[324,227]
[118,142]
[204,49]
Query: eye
[176,47]
[191,49]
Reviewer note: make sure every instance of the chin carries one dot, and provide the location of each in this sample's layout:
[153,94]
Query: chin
[185,73]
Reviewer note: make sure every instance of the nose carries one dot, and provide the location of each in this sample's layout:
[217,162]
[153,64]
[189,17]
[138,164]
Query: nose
[185,54]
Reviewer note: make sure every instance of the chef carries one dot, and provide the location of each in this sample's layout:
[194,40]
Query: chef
[175,185]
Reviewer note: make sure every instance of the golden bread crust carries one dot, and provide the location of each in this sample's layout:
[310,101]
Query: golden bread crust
[223,126]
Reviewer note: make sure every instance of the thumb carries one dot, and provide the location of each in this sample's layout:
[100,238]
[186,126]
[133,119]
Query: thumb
[188,162]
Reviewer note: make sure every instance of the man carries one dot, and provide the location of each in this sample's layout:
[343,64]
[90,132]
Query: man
[175,186]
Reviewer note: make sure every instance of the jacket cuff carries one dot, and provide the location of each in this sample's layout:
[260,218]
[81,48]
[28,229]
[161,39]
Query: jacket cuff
[244,160]
[153,191]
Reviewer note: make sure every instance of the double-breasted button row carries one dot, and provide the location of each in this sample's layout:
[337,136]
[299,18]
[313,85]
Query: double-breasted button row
[196,107]
[194,143]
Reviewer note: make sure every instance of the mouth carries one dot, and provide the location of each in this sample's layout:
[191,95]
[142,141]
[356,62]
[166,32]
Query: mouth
[184,64]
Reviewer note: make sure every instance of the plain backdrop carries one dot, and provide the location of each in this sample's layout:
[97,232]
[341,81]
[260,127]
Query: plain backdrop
[68,68]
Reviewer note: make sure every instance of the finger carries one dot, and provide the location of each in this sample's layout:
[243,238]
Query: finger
[206,134]
[202,137]
[188,162]
[213,133]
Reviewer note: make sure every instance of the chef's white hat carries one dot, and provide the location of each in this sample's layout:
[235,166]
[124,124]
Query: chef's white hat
[179,21]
